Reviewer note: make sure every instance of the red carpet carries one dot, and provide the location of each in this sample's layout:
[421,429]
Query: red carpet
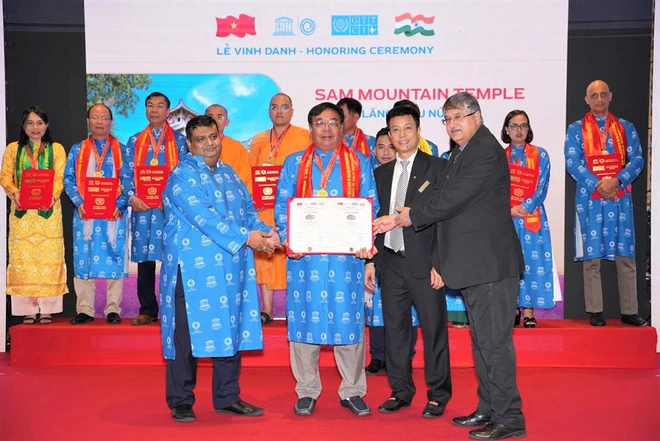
[555,343]
[75,403]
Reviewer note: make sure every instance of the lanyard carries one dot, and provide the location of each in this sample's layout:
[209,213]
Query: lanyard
[325,174]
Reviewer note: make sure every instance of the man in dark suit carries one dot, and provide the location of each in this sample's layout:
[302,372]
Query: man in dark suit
[403,263]
[477,250]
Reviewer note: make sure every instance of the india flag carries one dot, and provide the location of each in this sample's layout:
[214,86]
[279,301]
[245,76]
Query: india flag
[410,25]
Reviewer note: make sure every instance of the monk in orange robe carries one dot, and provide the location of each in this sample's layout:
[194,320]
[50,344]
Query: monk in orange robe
[271,147]
[233,153]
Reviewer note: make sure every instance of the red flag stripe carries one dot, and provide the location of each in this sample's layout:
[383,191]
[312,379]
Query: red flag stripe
[238,26]
[418,17]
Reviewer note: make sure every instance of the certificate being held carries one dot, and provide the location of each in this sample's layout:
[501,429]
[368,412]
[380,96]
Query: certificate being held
[264,185]
[36,189]
[151,184]
[605,167]
[523,183]
[329,225]
[100,198]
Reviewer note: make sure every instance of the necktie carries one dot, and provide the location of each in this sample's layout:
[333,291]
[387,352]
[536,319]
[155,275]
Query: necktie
[396,237]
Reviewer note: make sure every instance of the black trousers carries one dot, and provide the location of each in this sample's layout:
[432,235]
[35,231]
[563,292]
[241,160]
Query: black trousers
[146,288]
[491,308]
[377,342]
[181,373]
[400,290]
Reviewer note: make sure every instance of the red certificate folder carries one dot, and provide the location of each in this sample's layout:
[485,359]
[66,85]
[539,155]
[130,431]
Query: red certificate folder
[523,183]
[264,185]
[151,182]
[36,189]
[100,198]
[605,167]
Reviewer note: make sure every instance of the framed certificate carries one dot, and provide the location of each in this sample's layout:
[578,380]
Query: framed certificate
[264,185]
[100,198]
[36,189]
[329,225]
[151,184]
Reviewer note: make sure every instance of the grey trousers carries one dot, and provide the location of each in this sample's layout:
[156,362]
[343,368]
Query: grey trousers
[350,361]
[626,274]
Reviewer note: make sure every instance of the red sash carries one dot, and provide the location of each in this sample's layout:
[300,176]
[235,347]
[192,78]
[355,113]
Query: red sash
[142,148]
[83,160]
[350,172]
[532,220]
[595,141]
[360,143]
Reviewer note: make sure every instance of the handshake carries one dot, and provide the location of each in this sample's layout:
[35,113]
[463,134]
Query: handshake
[264,242]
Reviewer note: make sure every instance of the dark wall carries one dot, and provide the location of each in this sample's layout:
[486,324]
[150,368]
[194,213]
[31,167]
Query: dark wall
[610,42]
[45,66]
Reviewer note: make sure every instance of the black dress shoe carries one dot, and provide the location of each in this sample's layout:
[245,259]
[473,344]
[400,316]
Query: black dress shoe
[597,319]
[183,413]
[375,367]
[433,409]
[392,405]
[82,318]
[113,318]
[241,408]
[633,319]
[472,420]
[497,431]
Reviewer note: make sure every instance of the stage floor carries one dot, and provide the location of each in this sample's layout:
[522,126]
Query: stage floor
[128,403]
[555,343]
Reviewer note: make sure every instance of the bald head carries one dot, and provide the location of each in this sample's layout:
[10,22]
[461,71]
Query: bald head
[280,111]
[283,96]
[598,97]
[219,114]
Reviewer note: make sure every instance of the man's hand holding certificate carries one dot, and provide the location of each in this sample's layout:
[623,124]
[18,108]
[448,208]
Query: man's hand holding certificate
[329,225]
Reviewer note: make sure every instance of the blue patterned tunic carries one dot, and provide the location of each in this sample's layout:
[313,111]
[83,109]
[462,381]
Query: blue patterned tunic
[146,226]
[371,144]
[325,293]
[603,228]
[536,284]
[209,218]
[103,254]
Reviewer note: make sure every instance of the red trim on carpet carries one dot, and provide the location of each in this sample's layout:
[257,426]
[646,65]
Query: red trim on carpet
[555,343]
[110,403]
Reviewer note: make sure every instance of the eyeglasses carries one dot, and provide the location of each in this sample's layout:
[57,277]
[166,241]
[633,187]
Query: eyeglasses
[458,118]
[283,107]
[514,126]
[103,118]
[321,123]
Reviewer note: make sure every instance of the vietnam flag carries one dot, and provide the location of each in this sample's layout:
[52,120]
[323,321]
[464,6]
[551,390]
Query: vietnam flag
[231,25]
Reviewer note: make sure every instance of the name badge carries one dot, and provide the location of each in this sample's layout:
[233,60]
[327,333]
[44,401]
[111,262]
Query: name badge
[423,187]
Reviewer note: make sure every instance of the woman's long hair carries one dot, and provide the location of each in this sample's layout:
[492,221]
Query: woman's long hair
[23,137]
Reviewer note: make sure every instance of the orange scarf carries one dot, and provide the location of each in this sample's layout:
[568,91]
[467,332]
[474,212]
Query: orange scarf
[360,143]
[83,160]
[142,148]
[350,172]
[531,152]
[595,140]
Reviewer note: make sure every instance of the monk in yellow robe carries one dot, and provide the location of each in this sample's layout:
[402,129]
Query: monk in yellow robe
[271,147]
[233,153]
